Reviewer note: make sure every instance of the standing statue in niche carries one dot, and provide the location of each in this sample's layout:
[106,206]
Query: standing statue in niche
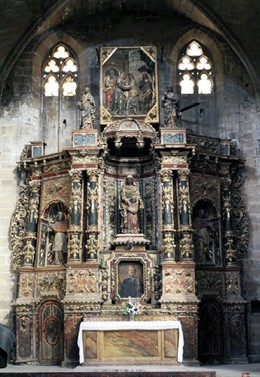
[87,107]
[170,104]
[58,248]
[129,205]
[203,235]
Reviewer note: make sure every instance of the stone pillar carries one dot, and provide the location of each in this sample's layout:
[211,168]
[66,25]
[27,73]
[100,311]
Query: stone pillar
[75,229]
[168,242]
[31,229]
[92,215]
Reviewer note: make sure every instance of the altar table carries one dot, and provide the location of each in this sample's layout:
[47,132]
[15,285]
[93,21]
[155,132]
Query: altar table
[133,341]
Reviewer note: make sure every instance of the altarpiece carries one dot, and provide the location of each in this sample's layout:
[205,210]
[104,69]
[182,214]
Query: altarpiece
[140,209]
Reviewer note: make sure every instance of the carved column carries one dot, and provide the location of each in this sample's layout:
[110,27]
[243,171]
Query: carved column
[75,230]
[229,246]
[234,304]
[168,243]
[92,215]
[25,303]
[33,213]
[185,232]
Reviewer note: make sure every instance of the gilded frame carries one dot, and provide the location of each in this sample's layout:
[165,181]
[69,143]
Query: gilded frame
[118,270]
[128,84]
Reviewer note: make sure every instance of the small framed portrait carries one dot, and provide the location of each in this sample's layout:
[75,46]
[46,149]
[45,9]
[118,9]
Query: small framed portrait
[130,279]
[128,84]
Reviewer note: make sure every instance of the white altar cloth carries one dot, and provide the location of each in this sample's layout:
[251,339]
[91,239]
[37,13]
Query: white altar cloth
[130,325]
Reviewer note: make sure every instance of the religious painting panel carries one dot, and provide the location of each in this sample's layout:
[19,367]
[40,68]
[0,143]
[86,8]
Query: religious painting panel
[129,83]
[131,277]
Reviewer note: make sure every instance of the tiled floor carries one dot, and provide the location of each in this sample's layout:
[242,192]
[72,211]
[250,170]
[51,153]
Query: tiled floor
[221,370]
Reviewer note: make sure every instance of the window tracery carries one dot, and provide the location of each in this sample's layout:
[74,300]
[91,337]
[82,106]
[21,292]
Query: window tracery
[195,70]
[60,73]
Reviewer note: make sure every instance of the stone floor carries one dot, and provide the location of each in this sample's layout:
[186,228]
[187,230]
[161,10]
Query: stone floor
[134,371]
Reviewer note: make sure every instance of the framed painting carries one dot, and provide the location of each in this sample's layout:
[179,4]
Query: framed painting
[130,279]
[128,84]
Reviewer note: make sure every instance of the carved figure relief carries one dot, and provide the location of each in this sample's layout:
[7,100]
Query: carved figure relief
[129,83]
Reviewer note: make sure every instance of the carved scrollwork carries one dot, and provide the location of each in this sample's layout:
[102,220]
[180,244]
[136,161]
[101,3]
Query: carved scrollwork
[104,284]
[18,226]
[34,200]
[186,245]
[74,246]
[169,245]
[92,245]
[240,216]
[29,249]
[178,281]
[26,286]
[232,284]
[50,282]
[210,283]
[82,281]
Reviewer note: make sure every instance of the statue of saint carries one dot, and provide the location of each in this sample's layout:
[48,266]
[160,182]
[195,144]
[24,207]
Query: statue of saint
[203,233]
[59,246]
[170,104]
[87,107]
[129,205]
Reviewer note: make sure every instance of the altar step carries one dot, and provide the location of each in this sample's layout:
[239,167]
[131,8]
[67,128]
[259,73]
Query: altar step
[230,370]
[110,374]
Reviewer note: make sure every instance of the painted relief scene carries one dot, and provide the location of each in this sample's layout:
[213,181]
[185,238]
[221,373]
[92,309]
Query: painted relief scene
[128,81]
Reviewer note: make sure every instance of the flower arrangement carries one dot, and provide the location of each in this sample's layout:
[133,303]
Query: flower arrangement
[132,307]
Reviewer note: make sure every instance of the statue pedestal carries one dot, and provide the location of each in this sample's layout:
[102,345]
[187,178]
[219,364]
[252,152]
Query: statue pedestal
[84,138]
[130,241]
[171,136]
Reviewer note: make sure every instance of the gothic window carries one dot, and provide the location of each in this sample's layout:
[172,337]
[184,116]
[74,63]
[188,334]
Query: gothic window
[195,70]
[60,73]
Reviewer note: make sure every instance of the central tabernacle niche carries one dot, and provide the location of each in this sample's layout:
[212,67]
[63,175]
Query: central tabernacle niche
[130,279]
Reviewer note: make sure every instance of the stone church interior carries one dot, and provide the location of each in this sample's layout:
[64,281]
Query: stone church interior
[130,200]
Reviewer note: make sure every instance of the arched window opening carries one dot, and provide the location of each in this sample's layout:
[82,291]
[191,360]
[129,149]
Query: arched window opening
[195,70]
[60,73]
